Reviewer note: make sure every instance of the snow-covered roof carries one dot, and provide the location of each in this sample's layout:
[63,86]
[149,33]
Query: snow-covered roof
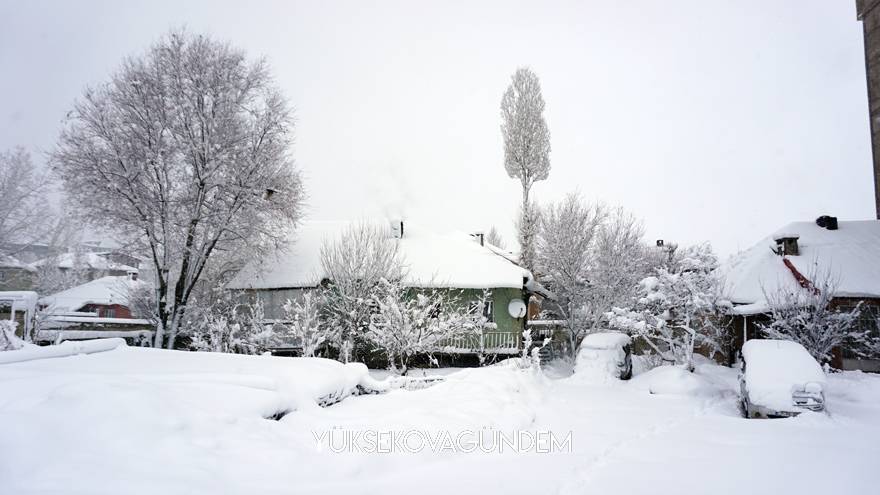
[10,262]
[443,260]
[849,255]
[95,261]
[105,291]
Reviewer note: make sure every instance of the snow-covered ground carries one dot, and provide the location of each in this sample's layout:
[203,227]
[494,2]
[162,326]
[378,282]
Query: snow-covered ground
[134,420]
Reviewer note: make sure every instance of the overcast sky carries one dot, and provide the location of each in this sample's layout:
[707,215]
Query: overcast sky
[711,120]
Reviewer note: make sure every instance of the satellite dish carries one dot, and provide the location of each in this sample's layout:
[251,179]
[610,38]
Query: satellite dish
[517,308]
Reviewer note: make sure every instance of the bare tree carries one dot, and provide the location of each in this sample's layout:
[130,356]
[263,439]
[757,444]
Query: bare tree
[807,316]
[494,238]
[565,251]
[186,153]
[25,215]
[526,148]
[355,264]
[620,259]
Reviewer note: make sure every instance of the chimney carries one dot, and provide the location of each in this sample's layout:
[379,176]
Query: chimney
[787,244]
[827,222]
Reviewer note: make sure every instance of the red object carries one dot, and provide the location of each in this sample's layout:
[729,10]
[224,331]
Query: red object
[801,279]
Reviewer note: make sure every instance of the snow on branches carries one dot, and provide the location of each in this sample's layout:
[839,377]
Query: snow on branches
[592,258]
[303,323]
[24,215]
[410,322]
[355,264]
[8,340]
[809,317]
[184,152]
[674,306]
[526,149]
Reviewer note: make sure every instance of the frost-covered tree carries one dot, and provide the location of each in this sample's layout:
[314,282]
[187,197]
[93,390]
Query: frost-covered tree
[494,238]
[304,324]
[806,315]
[526,149]
[184,152]
[410,322]
[51,278]
[565,255]
[674,306]
[592,257]
[620,259]
[355,264]
[25,215]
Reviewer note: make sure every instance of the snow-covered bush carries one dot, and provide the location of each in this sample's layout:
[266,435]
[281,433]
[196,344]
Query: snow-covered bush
[807,316]
[674,306]
[8,340]
[303,323]
[228,325]
[410,322]
[355,264]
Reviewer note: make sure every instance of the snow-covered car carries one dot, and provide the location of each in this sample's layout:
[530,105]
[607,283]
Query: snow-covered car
[606,354]
[780,378]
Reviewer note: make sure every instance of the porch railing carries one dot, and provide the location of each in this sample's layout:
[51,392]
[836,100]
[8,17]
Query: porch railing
[487,343]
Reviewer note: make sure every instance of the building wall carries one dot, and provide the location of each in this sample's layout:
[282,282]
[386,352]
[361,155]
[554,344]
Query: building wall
[16,279]
[748,327]
[108,310]
[869,13]
[273,302]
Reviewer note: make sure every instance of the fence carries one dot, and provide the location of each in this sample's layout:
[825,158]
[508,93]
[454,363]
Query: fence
[485,343]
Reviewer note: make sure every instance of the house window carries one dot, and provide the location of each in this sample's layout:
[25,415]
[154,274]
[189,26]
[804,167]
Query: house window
[488,312]
[868,322]
[109,312]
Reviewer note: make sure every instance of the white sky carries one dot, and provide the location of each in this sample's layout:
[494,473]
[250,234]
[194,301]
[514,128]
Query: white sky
[711,120]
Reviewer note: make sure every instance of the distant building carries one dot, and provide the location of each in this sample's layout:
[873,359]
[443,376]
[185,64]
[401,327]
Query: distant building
[848,251]
[104,307]
[868,12]
[15,275]
[92,265]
